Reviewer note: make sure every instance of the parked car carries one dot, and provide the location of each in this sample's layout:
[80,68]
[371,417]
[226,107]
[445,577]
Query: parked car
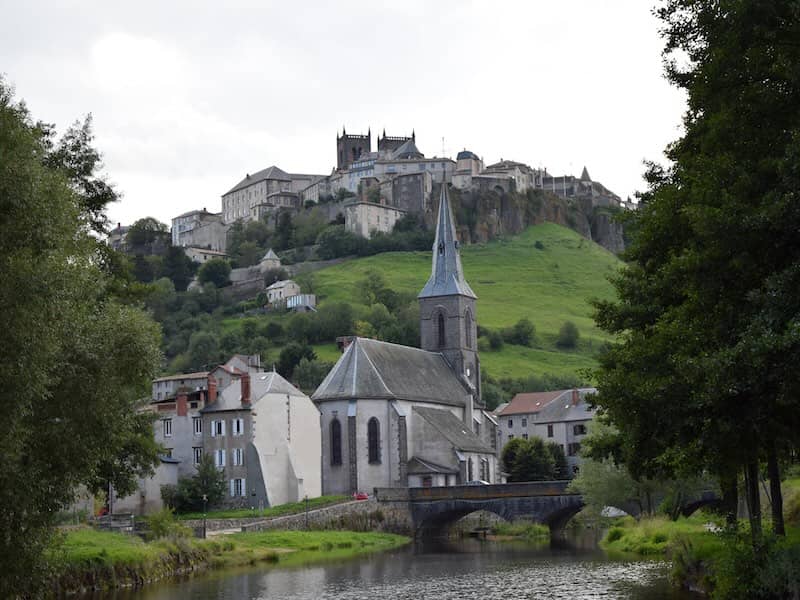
[360,496]
[477,482]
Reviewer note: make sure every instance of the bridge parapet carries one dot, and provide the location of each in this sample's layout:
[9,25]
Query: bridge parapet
[482,492]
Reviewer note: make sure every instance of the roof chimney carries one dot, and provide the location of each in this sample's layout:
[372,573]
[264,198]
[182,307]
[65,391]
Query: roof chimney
[182,403]
[246,389]
[576,397]
[212,389]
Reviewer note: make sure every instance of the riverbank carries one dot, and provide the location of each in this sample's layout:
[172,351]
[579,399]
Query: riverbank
[280,510]
[707,559]
[91,560]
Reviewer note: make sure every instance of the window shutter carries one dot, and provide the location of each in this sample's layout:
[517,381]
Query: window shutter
[233,488]
[213,428]
[223,457]
[244,490]
[223,427]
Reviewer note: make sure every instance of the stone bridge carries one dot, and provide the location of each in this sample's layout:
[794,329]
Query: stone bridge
[432,510]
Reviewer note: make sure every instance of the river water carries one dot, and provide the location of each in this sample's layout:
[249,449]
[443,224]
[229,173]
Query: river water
[572,568]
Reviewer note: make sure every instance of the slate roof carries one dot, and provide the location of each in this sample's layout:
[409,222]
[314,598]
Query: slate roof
[270,255]
[261,384]
[447,276]
[418,466]
[585,175]
[467,154]
[268,173]
[371,369]
[197,375]
[453,429]
[562,409]
[408,149]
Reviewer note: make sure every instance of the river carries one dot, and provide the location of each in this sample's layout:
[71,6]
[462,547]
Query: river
[571,568]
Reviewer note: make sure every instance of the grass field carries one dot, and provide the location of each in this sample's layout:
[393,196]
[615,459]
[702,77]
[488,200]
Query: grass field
[273,511]
[513,279]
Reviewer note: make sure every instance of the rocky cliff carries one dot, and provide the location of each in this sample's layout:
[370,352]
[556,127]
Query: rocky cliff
[486,215]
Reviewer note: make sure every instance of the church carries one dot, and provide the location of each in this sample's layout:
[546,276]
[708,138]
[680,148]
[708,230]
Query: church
[397,416]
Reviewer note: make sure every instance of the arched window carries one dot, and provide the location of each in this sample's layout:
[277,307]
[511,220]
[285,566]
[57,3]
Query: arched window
[440,329]
[468,328]
[374,441]
[336,442]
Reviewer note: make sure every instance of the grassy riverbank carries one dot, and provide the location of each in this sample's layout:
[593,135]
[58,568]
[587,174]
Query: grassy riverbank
[102,560]
[291,508]
[525,530]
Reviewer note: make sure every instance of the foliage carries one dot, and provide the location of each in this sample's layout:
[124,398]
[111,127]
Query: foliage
[188,494]
[76,357]
[275,274]
[568,335]
[290,357]
[522,333]
[533,460]
[290,508]
[706,318]
[216,271]
[163,524]
[178,267]
[335,241]
[308,374]
[145,233]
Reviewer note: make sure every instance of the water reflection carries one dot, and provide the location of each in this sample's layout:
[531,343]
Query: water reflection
[444,570]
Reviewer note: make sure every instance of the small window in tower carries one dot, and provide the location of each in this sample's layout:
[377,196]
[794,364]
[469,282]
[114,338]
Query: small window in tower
[440,328]
[441,248]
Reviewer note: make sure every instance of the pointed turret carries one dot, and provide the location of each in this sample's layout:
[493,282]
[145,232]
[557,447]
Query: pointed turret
[447,276]
[585,175]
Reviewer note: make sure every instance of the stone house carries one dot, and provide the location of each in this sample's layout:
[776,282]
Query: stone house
[278,292]
[199,229]
[366,218]
[201,255]
[264,433]
[560,416]
[147,498]
[397,416]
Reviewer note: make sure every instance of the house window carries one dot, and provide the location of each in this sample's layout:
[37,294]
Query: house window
[374,441]
[168,452]
[524,436]
[197,455]
[167,425]
[427,481]
[237,487]
[573,448]
[238,426]
[219,458]
[549,431]
[237,457]
[193,405]
[579,429]
[336,442]
[510,423]
[524,421]
[511,436]
[217,428]
[197,425]
[440,329]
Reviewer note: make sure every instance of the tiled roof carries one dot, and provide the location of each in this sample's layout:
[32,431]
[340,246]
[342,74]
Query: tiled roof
[197,375]
[529,402]
[380,370]
[452,429]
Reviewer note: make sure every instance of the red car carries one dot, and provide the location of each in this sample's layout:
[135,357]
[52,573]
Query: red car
[360,496]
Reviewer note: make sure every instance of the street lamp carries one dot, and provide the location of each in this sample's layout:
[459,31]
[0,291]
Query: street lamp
[205,502]
[306,501]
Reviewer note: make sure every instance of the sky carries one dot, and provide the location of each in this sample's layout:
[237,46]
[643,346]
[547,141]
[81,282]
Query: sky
[188,97]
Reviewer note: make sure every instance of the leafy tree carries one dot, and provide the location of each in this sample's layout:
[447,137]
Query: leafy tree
[533,462]
[249,254]
[76,358]
[216,271]
[308,374]
[335,241]
[334,319]
[275,274]
[273,331]
[706,340]
[290,357]
[146,232]
[187,496]
[284,231]
[203,349]
[178,267]
[568,335]
[522,333]
[343,193]
[560,466]
[508,456]
[496,341]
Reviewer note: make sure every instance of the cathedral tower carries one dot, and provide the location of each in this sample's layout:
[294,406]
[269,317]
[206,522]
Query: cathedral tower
[349,148]
[447,303]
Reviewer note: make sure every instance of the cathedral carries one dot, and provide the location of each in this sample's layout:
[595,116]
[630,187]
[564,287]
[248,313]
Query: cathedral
[397,416]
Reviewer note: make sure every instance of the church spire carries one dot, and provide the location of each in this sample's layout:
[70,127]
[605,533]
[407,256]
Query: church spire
[447,277]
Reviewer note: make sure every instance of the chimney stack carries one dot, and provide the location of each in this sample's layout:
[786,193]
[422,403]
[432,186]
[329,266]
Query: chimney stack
[576,397]
[212,389]
[246,388]
[182,403]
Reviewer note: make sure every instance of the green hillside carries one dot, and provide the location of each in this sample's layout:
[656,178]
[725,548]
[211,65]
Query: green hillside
[513,279]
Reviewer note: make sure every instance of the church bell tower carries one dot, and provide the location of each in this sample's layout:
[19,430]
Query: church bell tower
[447,303]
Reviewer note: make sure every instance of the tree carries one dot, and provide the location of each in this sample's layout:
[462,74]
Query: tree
[706,333]
[522,333]
[275,274]
[308,374]
[216,271]
[203,349]
[146,232]
[568,335]
[75,358]
[178,267]
[187,496]
[560,465]
[335,241]
[290,357]
[534,462]
[508,456]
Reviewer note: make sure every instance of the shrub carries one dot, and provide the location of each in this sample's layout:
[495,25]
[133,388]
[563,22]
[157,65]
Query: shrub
[538,245]
[496,340]
[568,335]
[162,524]
[522,333]
[216,271]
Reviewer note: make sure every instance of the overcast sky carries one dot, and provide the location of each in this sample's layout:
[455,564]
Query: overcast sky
[187,97]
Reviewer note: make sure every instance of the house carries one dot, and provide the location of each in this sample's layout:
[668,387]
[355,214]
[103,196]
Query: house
[278,292]
[199,229]
[560,416]
[201,255]
[147,498]
[397,416]
[269,261]
[264,433]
